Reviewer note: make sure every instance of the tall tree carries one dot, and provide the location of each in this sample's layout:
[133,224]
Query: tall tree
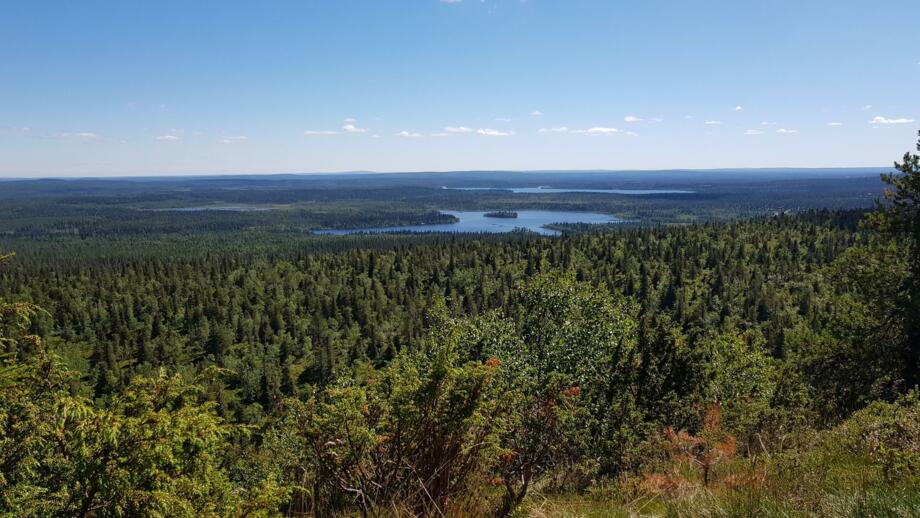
[900,218]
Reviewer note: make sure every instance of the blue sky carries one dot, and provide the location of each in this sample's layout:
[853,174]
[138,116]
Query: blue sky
[124,88]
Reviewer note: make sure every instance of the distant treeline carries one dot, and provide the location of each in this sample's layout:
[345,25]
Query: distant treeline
[89,209]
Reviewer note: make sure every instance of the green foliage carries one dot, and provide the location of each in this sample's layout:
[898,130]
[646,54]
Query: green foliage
[865,466]
[287,325]
[15,341]
[900,219]
[502,400]
[858,353]
[460,376]
[741,380]
[902,215]
[567,367]
[889,435]
[152,451]
[30,400]
[420,435]
[578,336]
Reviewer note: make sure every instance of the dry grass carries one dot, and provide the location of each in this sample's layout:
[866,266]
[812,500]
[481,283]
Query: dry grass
[808,487]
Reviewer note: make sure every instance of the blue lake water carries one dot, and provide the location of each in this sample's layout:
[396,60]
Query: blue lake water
[550,190]
[477,222]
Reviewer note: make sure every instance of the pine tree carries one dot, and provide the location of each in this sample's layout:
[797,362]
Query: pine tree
[900,219]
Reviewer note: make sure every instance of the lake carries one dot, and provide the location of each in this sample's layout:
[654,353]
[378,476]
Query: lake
[477,222]
[550,190]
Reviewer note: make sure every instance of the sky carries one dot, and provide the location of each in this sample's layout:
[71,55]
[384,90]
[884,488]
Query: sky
[114,88]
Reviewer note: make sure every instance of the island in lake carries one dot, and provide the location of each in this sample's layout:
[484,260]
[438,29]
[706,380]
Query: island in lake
[501,214]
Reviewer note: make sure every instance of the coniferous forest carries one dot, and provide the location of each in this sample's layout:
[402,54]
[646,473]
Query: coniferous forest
[747,362]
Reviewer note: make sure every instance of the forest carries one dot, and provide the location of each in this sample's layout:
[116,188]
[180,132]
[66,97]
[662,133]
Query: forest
[731,355]
[281,208]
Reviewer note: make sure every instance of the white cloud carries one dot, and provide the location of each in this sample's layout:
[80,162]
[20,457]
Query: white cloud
[351,120]
[787,131]
[597,130]
[835,124]
[457,129]
[451,1]
[632,118]
[168,138]
[713,123]
[502,119]
[886,120]
[591,132]
[656,119]
[867,107]
[82,135]
[22,130]
[753,132]
[351,128]
[536,113]
[488,132]
[408,134]
[767,123]
[232,139]
[313,133]
[739,108]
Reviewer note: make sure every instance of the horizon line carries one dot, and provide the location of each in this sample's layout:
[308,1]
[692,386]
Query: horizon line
[420,172]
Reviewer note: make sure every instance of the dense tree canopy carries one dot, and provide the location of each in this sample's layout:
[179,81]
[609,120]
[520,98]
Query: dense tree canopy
[457,376]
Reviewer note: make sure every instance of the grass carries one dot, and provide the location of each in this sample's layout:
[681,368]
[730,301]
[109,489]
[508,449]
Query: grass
[880,503]
[822,482]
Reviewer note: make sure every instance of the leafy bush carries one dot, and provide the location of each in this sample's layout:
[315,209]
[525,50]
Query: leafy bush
[420,435]
[889,435]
